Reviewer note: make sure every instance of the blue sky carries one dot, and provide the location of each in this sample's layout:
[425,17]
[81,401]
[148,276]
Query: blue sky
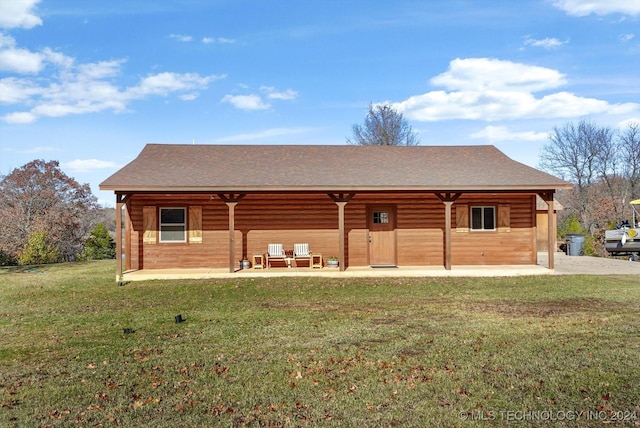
[90,82]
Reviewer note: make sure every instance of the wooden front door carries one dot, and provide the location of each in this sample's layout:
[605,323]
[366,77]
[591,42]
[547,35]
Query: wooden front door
[382,235]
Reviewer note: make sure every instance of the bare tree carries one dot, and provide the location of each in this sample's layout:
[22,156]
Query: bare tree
[629,148]
[575,153]
[384,126]
[40,197]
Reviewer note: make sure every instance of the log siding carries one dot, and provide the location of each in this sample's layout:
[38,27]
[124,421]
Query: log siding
[261,219]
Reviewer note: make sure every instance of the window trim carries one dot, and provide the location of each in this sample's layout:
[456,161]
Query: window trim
[483,207]
[161,224]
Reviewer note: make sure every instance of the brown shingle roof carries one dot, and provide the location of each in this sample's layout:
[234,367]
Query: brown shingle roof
[170,167]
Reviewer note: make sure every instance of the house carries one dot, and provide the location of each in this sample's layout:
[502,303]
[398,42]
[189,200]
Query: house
[191,206]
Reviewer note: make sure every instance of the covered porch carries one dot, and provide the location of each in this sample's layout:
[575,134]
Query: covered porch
[351,272]
[236,239]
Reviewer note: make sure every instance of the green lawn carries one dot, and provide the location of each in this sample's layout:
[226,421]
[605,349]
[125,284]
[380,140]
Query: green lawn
[317,352]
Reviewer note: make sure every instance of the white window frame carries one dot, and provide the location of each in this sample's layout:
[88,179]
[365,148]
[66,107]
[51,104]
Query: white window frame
[183,225]
[482,208]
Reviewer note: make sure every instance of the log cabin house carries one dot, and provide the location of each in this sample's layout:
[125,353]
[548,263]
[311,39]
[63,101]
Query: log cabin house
[209,206]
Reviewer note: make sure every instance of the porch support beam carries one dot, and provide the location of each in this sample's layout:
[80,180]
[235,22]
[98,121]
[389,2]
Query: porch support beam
[121,200]
[341,197]
[341,200]
[232,235]
[447,199]
[551,227]
[232,199]
[341,234]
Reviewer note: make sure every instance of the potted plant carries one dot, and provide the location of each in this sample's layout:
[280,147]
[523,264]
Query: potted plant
[332,261]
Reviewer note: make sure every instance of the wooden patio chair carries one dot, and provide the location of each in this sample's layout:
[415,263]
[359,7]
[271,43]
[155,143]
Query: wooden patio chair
[301,252]
[275,252]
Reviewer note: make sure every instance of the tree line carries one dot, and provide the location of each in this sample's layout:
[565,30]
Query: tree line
[603,164]
[48,217]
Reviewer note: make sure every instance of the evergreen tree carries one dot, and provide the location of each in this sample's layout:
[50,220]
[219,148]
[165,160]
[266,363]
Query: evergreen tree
[100,245]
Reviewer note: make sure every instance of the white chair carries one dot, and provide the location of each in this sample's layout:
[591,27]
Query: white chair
[275,252]
[301,252]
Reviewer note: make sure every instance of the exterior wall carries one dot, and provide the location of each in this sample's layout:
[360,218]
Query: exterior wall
[261,219]
[543,231]
[515,244]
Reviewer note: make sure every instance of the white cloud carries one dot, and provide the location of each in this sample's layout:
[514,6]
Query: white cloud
[20,118]
[547,43]
[284,95]
[472,74]
[23,61]
[625,123]
[256,102]
[225,40]
[221,40]
[87,165]
[165,83]
[18,14]
[70,88]
[626,37]
[13,90]
[89,88]
[18,60]
[246,102]
[57,58]
[501,133]
[599,7]
[491,90]
[181,38]
[289,94]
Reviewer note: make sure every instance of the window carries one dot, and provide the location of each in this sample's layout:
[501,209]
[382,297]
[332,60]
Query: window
[380,217]
[173,225]
[483,218]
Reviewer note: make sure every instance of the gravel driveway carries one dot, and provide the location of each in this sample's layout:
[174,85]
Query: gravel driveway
[572,265]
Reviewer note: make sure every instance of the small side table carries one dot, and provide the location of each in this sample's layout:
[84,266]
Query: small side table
[316,261]
[258,261]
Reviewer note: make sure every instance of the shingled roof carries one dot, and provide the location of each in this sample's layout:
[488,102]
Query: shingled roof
[246,168]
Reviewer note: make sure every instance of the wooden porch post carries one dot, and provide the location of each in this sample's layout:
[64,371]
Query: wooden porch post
[341,200]
[232,200]
[232,237]
[551,228]
[119,206]
[341,233]
[447,199]
[447,234]
[121,200]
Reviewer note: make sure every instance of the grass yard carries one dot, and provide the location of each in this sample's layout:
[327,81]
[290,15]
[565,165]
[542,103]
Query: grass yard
[551,351]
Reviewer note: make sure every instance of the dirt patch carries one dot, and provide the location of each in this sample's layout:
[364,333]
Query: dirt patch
[545,308]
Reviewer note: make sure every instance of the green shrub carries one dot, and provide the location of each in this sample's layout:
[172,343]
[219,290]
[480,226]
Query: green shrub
[38,250]
[569,225]
[99,246]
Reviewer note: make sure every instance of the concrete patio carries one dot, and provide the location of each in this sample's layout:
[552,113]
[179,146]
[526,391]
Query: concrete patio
[564,265]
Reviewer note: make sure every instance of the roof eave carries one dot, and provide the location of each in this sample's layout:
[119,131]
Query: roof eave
[315,189]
